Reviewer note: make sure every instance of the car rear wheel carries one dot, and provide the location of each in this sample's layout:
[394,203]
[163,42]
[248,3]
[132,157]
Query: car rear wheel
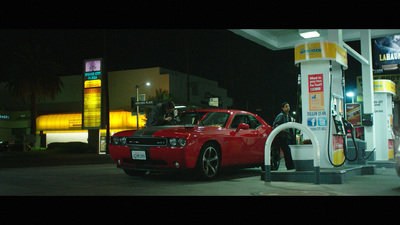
[208,161]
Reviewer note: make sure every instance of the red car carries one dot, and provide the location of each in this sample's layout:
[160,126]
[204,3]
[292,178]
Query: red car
[219,138]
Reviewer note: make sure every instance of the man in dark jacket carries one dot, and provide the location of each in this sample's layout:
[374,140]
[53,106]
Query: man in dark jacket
[285,137]
[161,114]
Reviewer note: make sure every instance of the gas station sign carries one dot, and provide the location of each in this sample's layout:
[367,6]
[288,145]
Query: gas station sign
[91,115]
[380,86]
[322,50]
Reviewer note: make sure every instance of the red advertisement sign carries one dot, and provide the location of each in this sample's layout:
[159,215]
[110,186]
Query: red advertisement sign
[316,92]
[315,83]
[353,113]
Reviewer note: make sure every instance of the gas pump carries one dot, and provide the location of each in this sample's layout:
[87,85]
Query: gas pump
[383,105]
[339,134]
[337,151]
[321,68]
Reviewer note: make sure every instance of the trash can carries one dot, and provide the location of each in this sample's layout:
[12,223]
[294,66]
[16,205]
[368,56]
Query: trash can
[303,157]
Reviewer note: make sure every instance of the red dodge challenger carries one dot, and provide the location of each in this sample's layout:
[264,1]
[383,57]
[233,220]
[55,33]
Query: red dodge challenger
[204,140]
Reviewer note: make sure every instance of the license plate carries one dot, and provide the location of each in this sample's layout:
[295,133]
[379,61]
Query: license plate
[139,155]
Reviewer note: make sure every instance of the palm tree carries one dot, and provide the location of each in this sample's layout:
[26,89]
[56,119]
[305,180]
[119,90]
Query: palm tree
[33,73]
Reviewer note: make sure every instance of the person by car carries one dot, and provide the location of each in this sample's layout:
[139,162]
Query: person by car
[285,137]
[161,114]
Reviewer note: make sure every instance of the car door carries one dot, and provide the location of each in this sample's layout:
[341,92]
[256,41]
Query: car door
[261,134]
[243,142]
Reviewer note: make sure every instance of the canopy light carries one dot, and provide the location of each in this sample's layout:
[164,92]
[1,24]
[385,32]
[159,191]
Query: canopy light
[309,34]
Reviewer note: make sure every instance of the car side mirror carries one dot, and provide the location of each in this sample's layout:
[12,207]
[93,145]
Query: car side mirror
[242,126]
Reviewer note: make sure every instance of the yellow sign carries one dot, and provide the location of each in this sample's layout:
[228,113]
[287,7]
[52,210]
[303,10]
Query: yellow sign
[67,122]
[92,83]
[384,86]
[92,76]
[320,51]
[393,77]
[92,107]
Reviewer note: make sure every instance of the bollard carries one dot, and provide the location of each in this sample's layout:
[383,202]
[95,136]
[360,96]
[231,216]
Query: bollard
[308,132]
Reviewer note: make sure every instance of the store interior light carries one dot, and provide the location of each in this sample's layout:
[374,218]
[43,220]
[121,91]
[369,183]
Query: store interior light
[309,34]
[350,94]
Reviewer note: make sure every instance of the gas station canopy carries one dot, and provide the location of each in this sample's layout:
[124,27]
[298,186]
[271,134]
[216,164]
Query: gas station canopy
[280,39]
[323,55]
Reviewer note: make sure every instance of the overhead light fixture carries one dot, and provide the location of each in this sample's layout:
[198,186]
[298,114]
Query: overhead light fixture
[309,33]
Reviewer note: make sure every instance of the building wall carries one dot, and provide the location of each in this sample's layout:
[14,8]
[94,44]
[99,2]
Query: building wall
[15,123]
[122,85]
[200,89]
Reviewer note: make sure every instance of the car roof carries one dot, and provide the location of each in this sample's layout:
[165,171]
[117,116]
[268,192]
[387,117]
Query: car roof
[219,110]
[230,111]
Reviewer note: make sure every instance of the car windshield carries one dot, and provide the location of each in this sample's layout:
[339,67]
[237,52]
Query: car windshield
[214,119]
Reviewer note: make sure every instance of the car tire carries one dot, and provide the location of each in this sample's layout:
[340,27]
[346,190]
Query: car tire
[208,162]
[135,172]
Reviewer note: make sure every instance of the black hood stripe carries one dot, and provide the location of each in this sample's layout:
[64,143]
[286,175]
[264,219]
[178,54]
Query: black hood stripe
[150,131]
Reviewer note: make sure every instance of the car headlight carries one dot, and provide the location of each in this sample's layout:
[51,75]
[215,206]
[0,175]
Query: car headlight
[118,140]
[177,142]
[173,142]
[115,140]
[122,140]
[182,142]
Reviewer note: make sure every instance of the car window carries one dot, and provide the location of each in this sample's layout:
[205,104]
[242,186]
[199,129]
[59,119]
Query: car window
[252,121]
[190,118]
[214,119]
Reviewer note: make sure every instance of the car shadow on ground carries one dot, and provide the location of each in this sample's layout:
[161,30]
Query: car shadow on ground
[224,174]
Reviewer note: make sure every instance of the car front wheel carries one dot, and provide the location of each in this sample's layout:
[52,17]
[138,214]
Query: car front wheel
[208,162]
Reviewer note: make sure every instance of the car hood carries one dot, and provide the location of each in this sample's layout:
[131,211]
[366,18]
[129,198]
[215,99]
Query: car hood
[158,131]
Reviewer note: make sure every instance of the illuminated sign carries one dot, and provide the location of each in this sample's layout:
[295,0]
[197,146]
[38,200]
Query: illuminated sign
[389,83]
[92,65]
[322,50]
[7,117]
[91,115]
[92,83]
[387,86]
[386,50]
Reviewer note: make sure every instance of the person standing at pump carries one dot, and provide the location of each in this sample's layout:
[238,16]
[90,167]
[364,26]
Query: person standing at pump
[161,114]
[285,137]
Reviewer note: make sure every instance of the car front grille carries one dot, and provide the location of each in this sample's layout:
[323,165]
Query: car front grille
[146,141]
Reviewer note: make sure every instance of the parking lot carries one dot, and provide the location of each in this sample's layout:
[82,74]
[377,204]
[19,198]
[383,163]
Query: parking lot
[104,179]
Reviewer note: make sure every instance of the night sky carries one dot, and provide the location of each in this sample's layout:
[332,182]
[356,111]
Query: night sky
[255,77]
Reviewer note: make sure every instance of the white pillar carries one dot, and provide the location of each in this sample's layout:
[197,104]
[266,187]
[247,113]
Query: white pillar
[336,35]
[367,85]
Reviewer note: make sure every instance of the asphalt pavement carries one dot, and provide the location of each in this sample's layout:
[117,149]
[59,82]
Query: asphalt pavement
[38,159]
[34,173]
